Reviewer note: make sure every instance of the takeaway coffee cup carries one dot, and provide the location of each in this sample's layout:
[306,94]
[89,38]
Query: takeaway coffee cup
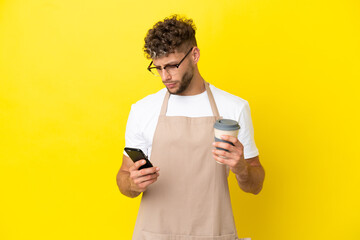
[225,127]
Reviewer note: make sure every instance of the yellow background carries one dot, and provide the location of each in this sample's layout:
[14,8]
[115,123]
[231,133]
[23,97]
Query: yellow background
[70,70]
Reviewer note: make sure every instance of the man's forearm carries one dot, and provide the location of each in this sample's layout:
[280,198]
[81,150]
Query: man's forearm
[252,182]
[124,184]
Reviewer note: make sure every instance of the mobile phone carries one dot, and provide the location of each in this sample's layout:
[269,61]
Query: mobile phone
[137,154]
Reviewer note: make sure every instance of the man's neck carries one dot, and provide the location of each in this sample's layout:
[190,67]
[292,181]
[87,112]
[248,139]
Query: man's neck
[196,86]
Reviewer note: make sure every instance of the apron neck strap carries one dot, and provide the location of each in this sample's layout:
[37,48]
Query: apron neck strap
[165,103]
[212,100]
[210,96]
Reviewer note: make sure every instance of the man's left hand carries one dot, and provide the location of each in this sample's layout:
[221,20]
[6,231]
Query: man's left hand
[234,158]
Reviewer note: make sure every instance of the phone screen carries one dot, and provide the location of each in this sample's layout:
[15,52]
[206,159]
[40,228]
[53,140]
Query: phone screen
[137,154]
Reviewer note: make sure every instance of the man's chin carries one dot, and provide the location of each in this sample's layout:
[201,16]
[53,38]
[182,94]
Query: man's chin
[172,90]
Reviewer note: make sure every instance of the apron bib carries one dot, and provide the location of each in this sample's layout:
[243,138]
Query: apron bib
[190,200]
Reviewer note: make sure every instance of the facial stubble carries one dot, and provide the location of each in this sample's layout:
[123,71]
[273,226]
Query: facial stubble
[185,82]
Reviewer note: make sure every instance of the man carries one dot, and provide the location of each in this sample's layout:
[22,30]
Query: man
[190,199]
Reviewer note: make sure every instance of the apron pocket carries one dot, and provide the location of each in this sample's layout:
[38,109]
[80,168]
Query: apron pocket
[145,235]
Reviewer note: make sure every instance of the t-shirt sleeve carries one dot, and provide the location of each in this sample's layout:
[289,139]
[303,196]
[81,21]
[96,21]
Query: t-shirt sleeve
[133,134]
[246,133]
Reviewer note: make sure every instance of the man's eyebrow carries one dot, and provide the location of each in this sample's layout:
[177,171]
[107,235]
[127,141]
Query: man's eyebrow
[167,64]
[172,63]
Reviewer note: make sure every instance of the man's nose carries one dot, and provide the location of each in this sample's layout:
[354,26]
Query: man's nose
[165,75]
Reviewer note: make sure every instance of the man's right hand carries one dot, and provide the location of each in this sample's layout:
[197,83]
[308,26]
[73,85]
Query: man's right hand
[141,179]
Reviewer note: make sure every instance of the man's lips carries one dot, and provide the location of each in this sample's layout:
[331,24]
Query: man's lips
[170,84]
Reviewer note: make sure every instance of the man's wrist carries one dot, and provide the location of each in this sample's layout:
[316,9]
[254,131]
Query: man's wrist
[244,175]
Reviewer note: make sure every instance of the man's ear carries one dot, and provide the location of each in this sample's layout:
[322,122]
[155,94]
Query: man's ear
[196,54]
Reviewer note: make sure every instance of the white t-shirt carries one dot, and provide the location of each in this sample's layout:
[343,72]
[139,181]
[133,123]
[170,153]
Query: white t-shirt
[144,116]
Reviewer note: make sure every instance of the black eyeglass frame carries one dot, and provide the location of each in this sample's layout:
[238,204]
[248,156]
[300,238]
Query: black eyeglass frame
[175,65]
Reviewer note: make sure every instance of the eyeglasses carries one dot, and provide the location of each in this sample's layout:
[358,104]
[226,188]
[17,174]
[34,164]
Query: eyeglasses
[171,69]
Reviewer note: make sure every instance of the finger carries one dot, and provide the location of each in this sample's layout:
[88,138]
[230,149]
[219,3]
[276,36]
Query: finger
[221,153]
[220,159]
[144,185]
[136,165]
[234,155]
[227,161]
[146,171]
[231,139]
[223,145]
[146,178]
[134,175]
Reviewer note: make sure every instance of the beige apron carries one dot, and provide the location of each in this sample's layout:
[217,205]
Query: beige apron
[190,199]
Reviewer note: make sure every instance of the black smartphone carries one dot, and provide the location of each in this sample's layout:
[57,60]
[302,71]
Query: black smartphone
[136,154]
